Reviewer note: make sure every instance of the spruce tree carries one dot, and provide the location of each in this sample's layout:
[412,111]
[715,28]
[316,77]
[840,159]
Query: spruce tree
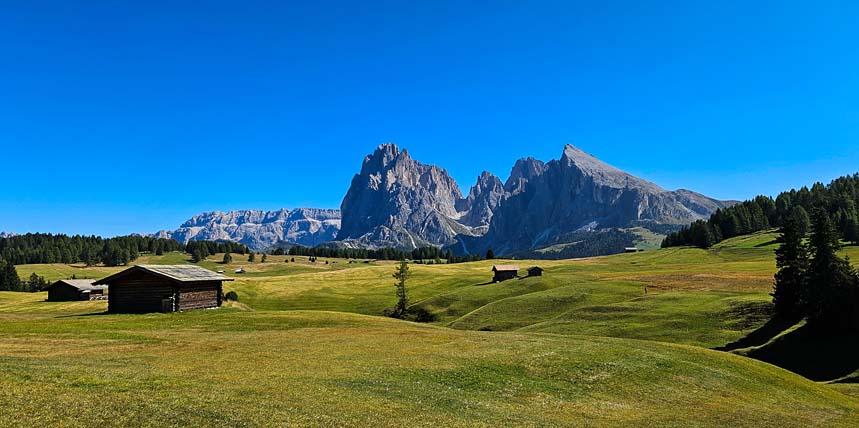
[792,264]
[264,258]
[800,216]
[251,257]
[9,279]
[831,293]
[228,258]
[490,254]
[401,275]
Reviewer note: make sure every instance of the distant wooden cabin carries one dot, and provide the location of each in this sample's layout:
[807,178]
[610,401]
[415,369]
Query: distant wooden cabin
[163,288]
[66,290]
[535,271]
[504,272]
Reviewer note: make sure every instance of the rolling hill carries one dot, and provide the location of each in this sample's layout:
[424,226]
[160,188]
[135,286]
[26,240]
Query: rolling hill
[581,345]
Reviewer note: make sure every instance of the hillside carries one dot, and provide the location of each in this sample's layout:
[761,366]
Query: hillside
[322,368]
[582,344]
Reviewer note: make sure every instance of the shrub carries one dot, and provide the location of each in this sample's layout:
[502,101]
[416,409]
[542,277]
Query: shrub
[232,296]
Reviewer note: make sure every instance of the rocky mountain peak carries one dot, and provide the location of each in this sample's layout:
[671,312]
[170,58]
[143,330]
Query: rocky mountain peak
[481,201]
[260,230]
[400,201]
[603,173]
[524,169]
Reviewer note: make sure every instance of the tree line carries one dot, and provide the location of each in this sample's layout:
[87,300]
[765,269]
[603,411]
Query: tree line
[39,248]
[199,250]
[812,281]
[423,253]
[839,200]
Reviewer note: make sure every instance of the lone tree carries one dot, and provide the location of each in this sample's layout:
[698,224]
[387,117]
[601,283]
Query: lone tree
[264,257]
[401,275]
[228,258]
[251,257]
[490,254]
[792,263]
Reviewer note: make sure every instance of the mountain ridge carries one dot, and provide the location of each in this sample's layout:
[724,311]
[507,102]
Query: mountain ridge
[397,201]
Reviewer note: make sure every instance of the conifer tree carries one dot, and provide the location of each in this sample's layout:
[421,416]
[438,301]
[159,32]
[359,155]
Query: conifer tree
[228,258]
[800,216]
[831,293]
[401,275]
[251,257]
[792,264]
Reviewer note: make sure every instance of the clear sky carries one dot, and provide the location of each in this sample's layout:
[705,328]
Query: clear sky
[131,118]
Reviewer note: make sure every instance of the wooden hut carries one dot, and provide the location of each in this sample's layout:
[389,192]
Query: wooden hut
[504,272]
[535,271]
[163,288]
[75,289]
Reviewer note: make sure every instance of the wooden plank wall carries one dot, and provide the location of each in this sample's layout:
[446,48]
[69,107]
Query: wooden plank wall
[138,293]
[200,295]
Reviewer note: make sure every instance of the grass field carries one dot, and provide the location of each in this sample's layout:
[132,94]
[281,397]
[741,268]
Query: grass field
[584,344]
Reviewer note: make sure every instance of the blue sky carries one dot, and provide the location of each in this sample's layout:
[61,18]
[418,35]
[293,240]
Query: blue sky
[131,118]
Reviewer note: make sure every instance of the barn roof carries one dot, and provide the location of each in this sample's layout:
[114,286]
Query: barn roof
[505,268]
[81,284]
[179,273]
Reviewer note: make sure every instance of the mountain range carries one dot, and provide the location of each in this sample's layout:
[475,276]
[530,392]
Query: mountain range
[576,205]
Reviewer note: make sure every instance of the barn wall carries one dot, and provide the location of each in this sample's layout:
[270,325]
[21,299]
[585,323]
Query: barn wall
[200,295]
[138,293]
[63,293]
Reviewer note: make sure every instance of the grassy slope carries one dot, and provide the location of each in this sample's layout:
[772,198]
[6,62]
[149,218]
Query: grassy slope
[335,368]
[234,368]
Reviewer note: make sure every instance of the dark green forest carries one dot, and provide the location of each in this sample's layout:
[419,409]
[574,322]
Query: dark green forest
[424,253]
[38,248]
[35,248]
[838,200]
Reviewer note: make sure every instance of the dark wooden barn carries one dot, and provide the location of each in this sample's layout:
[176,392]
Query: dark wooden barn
[163,288]
[504,272]
[535,271]
[75,289]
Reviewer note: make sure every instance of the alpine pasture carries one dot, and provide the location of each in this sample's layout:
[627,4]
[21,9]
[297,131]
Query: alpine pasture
[618,340]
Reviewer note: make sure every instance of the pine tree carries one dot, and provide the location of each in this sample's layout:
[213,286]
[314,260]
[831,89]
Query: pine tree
[490,254]
[251,257]
[792,264]
[401,275]
[228,258]
[800,216]
[264,258]
[9,279]
[831,293]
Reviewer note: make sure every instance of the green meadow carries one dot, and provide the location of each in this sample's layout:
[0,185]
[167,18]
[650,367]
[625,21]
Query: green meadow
[620,340]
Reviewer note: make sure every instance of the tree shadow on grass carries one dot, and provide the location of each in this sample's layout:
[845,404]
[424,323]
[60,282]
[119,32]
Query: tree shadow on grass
[818,356]
[761,335]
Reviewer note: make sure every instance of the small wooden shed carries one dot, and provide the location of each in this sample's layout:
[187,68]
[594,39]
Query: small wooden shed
[535,271]
[66,290]
[163,288]
[504,272]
